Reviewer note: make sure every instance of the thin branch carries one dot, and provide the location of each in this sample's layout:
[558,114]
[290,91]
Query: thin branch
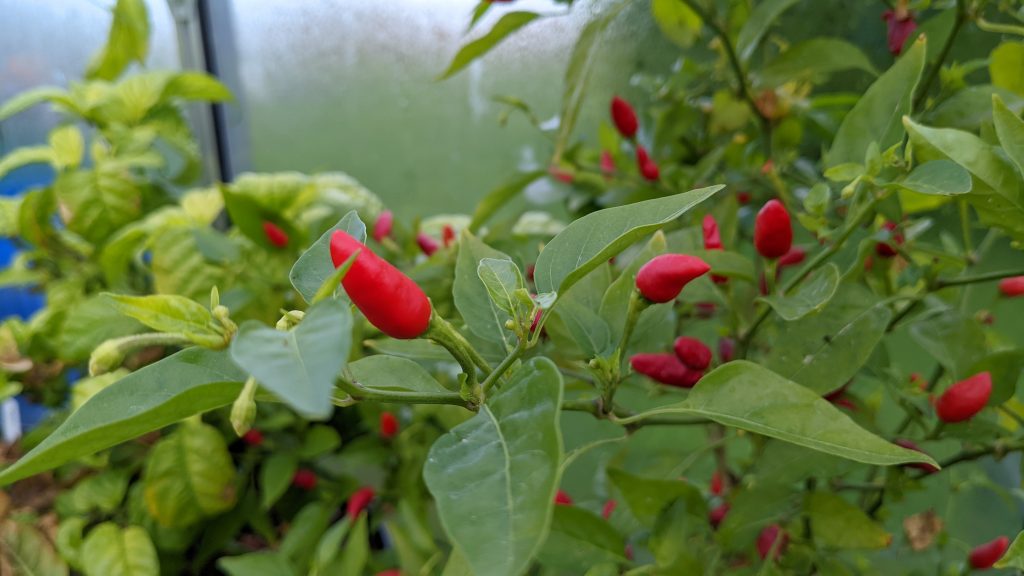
[933,72]
[976,278]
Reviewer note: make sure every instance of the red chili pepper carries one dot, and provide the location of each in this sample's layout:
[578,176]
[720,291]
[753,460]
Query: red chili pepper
[718,514]
[390,300]
[648,168]
[717,483]
[608,509]
[900,25]
[773,232]
[664,277]
[1012,287]
[666,369]
[726,349]
[766,540]
[964,399]
[743,198]
[694,353]
[886,249]
[712,239]
[358,501]
[304,479]
[561,174]
[382,227]
[986,555]
[624,117]
[448,235]
[427,244]
[795,256]
[275,234]
[388,425]
[607,163]
[253,437]
[563,499]
[928,468]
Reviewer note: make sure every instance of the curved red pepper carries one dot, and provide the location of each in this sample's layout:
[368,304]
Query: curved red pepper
[963,400]
[664,277]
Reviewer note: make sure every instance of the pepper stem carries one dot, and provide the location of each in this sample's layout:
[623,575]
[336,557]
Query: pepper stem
[443,333]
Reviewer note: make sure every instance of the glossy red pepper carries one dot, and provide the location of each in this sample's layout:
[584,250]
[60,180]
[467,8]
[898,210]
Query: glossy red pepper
[275,234]
[664,277]
[963,400]
[624,117]
[563,499]
[766,541]
[382,227]
[888,249]
[358,501]
[694,353]
[253,437]
[389,299]
[304,479]
[927,468]
[607,163]
[427,244]
[900,24]
[648,168]
[718,514]
[773,231]
[717,484]
[666,369]
[985,556]
[1012,287]
[608,509]
[388,425]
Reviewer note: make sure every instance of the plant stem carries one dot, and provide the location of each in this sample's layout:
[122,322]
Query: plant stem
[496,375]
[358,392]
[446,335]
[974,279]
[637,304]
[933,72]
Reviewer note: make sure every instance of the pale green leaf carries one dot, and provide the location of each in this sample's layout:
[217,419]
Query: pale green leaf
[315,266]
[838,524]
[68,146]
[508,24]
[28,552]
[26,156]
[764,14]
[1005,65]
[677,21]
[127,42]
[110,550]
[1010,129]
[815,58]
[580,538]
[393,374]
[937,178]
[275,476]
[485,318]
[256,564]
[168,313]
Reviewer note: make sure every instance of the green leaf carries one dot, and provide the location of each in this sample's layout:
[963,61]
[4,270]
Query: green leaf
[99,200]
[69,541]
[256,564]
[500,196]
[1005,64]
[318,441]
[26,156]
[508,24]
[1010,129]
[308,526]
[29,98]
[677,21]
[195,86]
[810,297]
[587,327]
[876,116]
[728,264]
[615,302]
[1014,555]
[128,41]
[315,266]
[393,374]
[68,146]
[473,300]
[189,476]
[169,313]
[502,465]
[970,108]
[837,524]
[299,366]
[747,396]
[275,476]
[356,551]
[647,498]
[101,493]
[179,266]
[761,18]
[330,545]
[594,239]
[109,550]
[937,178]
[676,524]
[28,552]
[190,382]
[824,351]
[815,58]
[580,538]
[1006,367]
[88,324]
[502,278]
[952,339]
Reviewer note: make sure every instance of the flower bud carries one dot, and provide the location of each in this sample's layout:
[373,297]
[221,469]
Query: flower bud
[563,499]
[427,244]
[648,168]
[106,357]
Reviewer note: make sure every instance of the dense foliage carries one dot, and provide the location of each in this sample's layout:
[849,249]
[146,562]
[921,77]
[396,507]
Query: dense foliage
[763,324]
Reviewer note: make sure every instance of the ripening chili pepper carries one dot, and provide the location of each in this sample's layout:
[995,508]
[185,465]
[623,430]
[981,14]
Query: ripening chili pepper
[766,541]
[607,163]
[358,501]
[888,249]
[624,117]
[427,244]
[726,349]
[304,479]
[382,227]
[608,509]
[694,353]
[275,234]
[648,168]
[253,437]
[717,484]
[900,24]
[964,399]
[666,369]
[664,276]
[793,257]
[717,514]
[927,468]
[388,425]
[773,232]
[448,235]
[985,556]
[1012,287]
[563,499]
[389,299]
